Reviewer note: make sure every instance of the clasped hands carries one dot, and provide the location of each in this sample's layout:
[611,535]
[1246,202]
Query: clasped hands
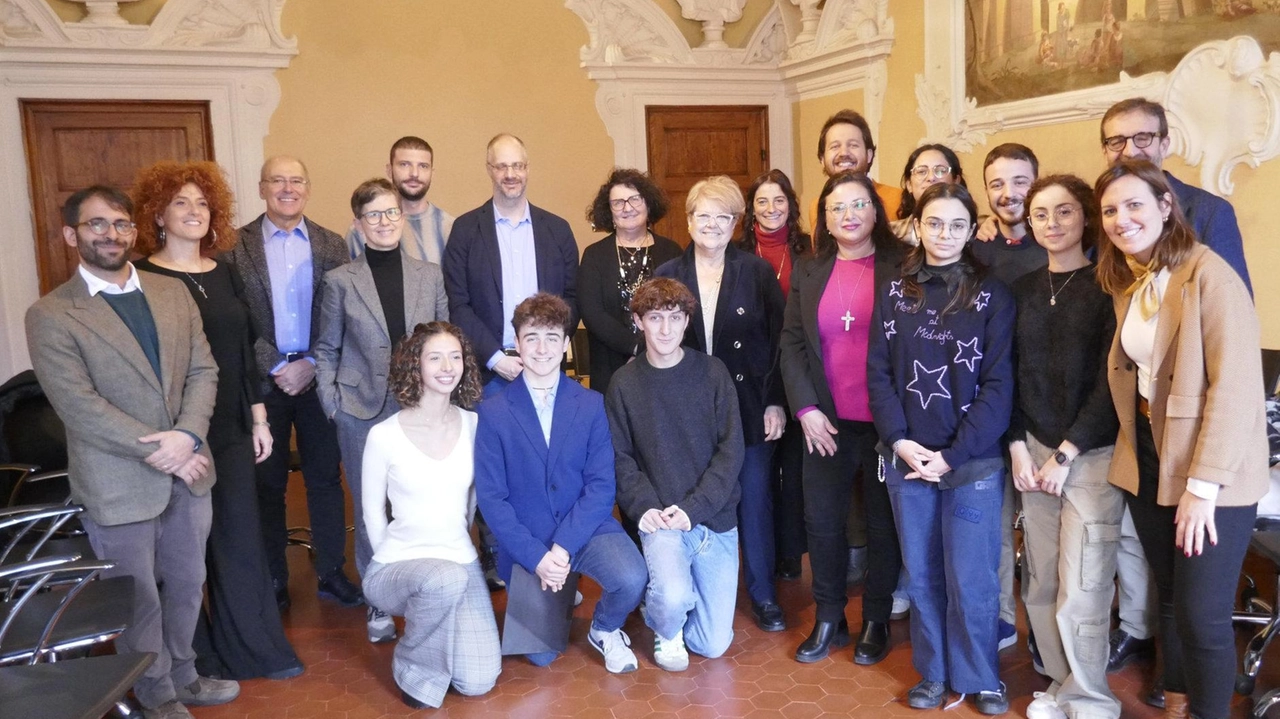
[670,518]
[176,455]
[1027,477]
[553,570]
[925,463]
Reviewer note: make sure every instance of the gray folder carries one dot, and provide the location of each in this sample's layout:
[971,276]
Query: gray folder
[537,620]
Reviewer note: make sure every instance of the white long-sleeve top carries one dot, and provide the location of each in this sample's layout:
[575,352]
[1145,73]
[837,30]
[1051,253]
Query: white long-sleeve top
[432,501]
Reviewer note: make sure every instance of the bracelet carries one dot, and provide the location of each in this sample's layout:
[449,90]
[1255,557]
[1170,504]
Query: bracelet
[263,423]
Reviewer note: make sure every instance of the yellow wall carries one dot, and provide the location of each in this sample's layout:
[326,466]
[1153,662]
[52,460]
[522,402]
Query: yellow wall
[453,73]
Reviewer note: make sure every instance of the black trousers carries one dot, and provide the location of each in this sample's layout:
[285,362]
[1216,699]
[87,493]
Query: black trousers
[1196,593]
[788,493]
[828,486]
[318,447]
[239,636]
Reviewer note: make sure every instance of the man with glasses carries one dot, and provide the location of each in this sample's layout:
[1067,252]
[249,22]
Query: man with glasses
[410,169]
[281,258]
[1137,129]
[126,366]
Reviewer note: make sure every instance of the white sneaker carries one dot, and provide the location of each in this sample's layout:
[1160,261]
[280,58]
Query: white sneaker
[901,608]
[670,654]
[618,658]
[1045,706]
[381,627]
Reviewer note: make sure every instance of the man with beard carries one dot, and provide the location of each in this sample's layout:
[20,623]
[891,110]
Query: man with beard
[1011,253]
[410,169]
[126,366]
[845,144]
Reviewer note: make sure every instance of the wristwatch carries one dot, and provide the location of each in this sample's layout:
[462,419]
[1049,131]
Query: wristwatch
[1061,458]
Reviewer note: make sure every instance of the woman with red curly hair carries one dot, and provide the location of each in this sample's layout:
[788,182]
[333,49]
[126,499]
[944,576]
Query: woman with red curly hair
[184,219]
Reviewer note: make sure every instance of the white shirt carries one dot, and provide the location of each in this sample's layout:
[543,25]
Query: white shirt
[97,284]
[1138,340]
[432,501]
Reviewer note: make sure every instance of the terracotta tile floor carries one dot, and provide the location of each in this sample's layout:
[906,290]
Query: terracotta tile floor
[348,678]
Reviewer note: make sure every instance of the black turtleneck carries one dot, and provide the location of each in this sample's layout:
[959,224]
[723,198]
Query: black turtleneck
[388,278]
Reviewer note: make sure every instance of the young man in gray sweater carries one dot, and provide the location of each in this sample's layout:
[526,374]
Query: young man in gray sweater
[677,441]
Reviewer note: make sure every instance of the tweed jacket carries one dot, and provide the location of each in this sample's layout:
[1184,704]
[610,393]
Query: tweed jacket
[249,259]
[1207,413]
[353,347]
[99,381]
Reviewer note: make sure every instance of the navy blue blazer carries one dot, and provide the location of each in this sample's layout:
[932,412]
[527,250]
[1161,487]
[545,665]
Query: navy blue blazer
[533,495]
[1214,222]
[747,328]
[473,272]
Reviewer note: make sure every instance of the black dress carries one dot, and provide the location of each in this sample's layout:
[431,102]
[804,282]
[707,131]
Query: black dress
[240,636]
[607,277]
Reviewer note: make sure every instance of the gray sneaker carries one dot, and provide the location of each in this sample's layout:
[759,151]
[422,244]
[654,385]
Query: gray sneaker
[381,627]
[615,646]
[206,692]
[168,710]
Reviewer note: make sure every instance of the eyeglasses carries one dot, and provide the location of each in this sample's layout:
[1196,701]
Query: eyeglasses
[840,209]
[503,167]
[1065,215]
[936,227]
[277,183]
[1141,140]
[100,225]
[636,202]
[703,219]
[938,172]
[374,217]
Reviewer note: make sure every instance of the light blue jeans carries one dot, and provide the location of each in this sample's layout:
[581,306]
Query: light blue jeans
[693,585]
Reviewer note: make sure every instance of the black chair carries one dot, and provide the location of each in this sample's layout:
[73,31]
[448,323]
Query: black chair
[80,611]
[39,530]
[73,689]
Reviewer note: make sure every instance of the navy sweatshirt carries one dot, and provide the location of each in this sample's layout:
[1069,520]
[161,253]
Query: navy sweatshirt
[944,382]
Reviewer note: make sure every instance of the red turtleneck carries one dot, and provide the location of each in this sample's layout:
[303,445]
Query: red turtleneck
[772,246]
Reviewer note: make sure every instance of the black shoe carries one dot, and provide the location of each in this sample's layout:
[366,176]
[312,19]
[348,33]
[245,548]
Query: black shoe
[992,702]
[337,587]
[788,569]
[286,673]
[410,702]
[768,616]
[824,636]
[281,587]
[926,695]
[873,643]
[489,563]
[1156,697]
[1124,649]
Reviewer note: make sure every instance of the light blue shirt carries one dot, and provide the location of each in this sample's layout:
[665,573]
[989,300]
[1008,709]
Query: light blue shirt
[519,270]
[289,267]
[544,403]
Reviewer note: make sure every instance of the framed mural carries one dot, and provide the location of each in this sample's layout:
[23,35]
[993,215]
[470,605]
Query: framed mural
[996,65]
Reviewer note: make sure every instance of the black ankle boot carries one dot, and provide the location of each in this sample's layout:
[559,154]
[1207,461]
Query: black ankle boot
[824,636]
[873,643]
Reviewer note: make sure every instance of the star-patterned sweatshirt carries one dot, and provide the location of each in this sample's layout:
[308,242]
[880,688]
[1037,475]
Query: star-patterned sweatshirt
[944,382]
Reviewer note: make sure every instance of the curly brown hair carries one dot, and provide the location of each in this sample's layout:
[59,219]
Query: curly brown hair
[157,185]
[601,216]
[405,379]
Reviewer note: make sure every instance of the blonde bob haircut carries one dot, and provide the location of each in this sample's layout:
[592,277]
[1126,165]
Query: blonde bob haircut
[718,189]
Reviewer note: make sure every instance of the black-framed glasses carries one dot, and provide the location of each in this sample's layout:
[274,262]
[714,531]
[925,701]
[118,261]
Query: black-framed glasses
[937,228]
[636,201]
[1141,140]
[839,209]
[100,225]
[1064,214]
[938,172]
[374,217]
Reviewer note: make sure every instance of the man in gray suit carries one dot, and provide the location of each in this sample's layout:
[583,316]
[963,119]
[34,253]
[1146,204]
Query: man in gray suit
[282,257]
[135,388]
[369,305]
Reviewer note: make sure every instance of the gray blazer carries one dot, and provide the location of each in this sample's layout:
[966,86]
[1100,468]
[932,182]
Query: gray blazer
[249,259]
[353,347]
[103,388]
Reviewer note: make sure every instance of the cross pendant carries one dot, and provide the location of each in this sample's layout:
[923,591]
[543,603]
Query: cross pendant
[847,319]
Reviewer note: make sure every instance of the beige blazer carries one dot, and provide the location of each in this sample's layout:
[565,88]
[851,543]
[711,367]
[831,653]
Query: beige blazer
[1207,409]
[103,388]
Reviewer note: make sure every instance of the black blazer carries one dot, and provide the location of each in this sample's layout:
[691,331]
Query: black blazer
[473,272]
[611,338]
[748,323]
[803,373]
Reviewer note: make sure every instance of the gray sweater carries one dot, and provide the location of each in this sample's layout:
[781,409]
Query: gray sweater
[677,439]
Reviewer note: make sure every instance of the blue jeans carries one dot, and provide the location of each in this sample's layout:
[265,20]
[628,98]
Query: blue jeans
[693,587]
[951,548]
[755,522]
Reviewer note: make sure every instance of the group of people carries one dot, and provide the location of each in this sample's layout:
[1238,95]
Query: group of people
[881,394]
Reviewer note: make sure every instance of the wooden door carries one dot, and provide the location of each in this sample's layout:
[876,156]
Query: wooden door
[72,144]
[687,144]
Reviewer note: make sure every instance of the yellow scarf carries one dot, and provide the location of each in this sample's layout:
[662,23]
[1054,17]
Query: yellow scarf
[1144,285]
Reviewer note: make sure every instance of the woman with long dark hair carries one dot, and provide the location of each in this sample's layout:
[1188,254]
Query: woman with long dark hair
[824,359]
[940,380]
[1184,372]
[926,166]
